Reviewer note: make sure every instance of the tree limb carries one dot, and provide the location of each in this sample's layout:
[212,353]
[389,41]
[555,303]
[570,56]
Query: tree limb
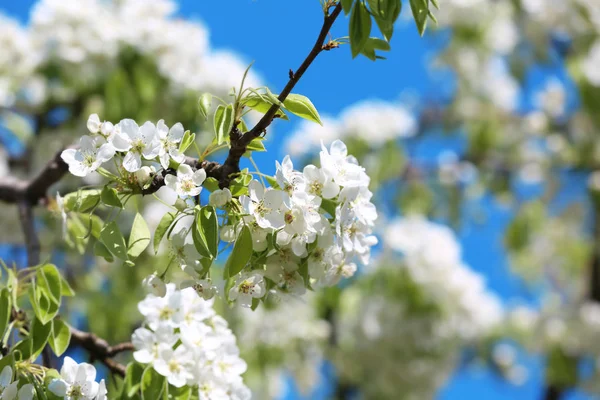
[100,350]
[240,141]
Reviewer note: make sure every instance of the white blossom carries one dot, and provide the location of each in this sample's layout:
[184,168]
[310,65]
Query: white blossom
[90,155]
[77,381]
[187,182]
[169,143]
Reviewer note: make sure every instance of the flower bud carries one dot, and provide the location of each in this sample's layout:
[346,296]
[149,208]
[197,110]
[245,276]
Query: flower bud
[154,285]
[93,123]
[144,175]
[180,204]
[219,197]
[106,128]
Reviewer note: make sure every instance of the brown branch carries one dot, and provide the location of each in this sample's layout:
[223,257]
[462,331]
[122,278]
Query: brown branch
[240,141]
[100,350]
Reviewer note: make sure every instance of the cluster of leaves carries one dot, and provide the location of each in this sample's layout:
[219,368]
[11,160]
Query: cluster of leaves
[384,13]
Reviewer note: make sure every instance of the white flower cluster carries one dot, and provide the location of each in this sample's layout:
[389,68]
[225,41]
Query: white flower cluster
[9,389]
[188,343]
[78,382]
[290,213]
[375,122]
[298,345]
[432,257]
[85,38]
[135,143]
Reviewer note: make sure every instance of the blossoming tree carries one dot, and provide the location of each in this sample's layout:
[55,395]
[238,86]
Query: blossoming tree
[254,236]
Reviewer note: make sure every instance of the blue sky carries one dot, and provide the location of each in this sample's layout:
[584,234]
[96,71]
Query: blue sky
[277,35]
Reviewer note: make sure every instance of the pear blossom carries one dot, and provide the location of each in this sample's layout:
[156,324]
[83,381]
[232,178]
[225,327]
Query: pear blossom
[247,286]
[187,182]
[169,143]
[175,365]
[90,155]
[220,197]
[319,184]
[153,284]
[266,205]
[139,142]
[77,381]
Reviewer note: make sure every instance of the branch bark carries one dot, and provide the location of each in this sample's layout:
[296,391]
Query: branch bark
[100,350]
[240,141]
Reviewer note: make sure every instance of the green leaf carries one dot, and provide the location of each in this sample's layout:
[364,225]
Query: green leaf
[302,107]
[240,255]
[60,337]
[5,309]
[420,10]
[262,104]
[199,237]
[360,28]
[182,393]
[133,379]
[329,206]
[23,350]
[114,241]
[204,105]
[39,336]
[139,238]
[110,198]
[44,308]
[347,6]
[161,229]
[100,250]
[49,280]
[65,288]
[82,200]
[152,384]
[187,140]
[210,229]
[210,184]
[223,122]
[256,145]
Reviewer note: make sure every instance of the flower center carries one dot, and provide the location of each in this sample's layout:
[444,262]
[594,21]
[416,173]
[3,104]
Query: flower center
[187,185]
[75,392]
[289,218]
[246,287]
[316,188]
[174,366]
[137,146]
[165,313]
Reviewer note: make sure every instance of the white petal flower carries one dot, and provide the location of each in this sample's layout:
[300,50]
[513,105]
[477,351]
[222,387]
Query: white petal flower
[77,383]
[169,143]
[90,155]
[247,286]
[220,197]
[153,284]
[187,182]
[139,142]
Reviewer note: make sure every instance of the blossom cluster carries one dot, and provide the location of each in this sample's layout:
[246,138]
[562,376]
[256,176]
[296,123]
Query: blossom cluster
[185,341]
[290,214]
[297,348]
[78,381]
[86,38]
[408,320]
[9,389]
[432,257]
[135,143]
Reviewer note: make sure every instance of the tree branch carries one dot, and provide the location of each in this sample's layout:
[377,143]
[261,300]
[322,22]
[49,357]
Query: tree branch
[240,141]
[100,350]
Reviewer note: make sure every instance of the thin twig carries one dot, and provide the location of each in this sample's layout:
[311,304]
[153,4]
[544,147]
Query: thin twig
[100,350]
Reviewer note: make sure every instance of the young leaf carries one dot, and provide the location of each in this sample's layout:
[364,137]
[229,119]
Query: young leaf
[60,337]
[182,393]
[100,250]
[39,336]
[110,198]
[114,241]
[82,200]
[186,141]
[44,308]
[210,229]
[133,379]
[49,280]
[4,310]
[152,384]
[262,104]
[161,229]
[65,288]
[204,104]
[199,236]
[420,10]
[360,27]
[139,238]
[302,107]
[223,122]
[211,184]
[241,253]
[347,6]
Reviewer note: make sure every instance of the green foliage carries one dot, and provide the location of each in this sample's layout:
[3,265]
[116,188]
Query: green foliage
[114,241]
[204,105]
[302,107]
[223,122]
[153,385]
[187,140]
[139,238]
[82,200]
[163,226]
[110,197]
[60,336]
[360,27]
[240,255]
